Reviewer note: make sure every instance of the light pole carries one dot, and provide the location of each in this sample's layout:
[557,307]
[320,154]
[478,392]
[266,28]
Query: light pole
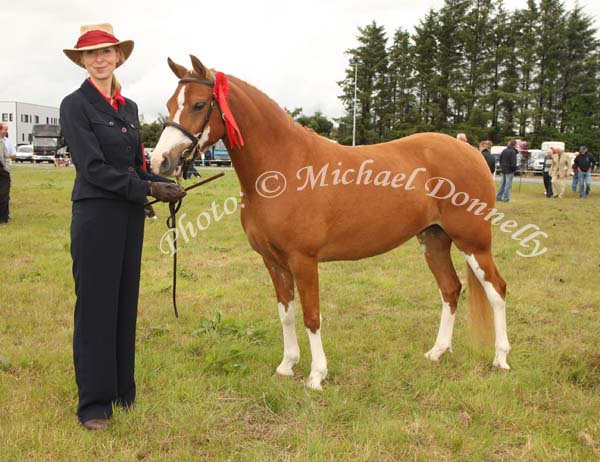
[354,110]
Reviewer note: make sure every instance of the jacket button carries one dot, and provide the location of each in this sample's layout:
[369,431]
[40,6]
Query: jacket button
[124,129]
[130,168]
[129,148]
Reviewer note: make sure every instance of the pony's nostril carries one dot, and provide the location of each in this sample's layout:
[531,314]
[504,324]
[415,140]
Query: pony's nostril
[165,165]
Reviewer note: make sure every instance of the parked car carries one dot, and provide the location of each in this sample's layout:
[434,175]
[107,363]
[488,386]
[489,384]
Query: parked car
[219,155]
[536,160]
[24,153]
[148,155]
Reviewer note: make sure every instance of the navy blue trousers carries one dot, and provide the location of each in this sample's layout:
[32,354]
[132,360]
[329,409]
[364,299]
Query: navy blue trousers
[4,194]
[106,247]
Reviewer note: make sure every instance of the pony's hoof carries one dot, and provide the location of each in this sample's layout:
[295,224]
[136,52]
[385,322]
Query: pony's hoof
[315,379]
[436,353]
[501,365]
[284,371]
[500,361]
[285,368]
[314,384]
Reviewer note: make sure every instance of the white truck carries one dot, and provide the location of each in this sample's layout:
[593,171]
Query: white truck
[552,144]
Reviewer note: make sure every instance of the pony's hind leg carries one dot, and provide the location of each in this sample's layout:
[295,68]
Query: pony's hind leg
[283,282]
[484,269]
[436,245]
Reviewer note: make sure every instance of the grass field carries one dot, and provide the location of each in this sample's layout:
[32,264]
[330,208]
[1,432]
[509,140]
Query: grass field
[206,384]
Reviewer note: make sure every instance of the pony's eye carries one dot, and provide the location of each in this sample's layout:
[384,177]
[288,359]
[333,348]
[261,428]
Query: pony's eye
[198,107]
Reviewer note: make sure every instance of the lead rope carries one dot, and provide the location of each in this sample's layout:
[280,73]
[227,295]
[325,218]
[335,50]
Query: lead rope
[172,224]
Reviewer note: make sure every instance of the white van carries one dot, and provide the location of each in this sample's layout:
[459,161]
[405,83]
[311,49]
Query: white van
[552,144]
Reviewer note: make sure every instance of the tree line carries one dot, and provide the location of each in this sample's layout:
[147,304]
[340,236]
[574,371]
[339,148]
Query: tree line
[150,131]
[473,67]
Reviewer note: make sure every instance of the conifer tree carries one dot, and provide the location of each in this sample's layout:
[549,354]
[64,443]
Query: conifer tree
[402,86]
[426,72]
[373,89]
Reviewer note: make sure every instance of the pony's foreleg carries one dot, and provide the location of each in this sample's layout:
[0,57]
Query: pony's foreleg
[306,274]
[436,246]
[284,288]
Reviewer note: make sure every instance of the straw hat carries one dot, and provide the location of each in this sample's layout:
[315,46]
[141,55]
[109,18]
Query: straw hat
[94,37]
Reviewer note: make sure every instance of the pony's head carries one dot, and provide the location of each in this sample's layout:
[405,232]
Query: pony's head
[195,121]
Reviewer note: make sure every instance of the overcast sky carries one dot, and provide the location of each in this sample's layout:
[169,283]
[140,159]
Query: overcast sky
[292,50]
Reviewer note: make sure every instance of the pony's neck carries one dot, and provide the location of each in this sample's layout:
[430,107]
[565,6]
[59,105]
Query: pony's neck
[272,139]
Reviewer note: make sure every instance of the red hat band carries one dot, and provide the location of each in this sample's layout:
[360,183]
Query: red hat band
[95,37]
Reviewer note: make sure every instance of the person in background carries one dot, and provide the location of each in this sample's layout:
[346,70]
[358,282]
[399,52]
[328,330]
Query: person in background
[508,167]
[547,167]
[559,171]
[484,148]
[9,146]
[575,178]
[102,128]
[584,164]
[191,172]
[7,154]
[462,137]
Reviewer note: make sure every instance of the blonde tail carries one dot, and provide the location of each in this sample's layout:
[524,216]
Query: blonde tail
[480,311]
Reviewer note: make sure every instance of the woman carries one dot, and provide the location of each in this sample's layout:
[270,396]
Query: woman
[101,128]
[484,148]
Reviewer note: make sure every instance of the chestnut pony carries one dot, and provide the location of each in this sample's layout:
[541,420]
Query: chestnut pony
[307,200]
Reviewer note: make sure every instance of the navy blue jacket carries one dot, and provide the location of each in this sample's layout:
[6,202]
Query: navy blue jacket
[105,147]
[489,160]
[508,160]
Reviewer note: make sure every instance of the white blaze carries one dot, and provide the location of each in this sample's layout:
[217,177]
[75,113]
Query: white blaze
[169,140]
[180,104]
[170,137]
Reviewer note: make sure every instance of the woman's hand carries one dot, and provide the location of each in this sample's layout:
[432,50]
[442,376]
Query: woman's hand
[165,192]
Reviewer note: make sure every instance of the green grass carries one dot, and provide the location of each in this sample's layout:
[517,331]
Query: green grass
[206,384]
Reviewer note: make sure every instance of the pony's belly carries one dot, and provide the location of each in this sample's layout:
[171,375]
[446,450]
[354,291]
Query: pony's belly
[363,247]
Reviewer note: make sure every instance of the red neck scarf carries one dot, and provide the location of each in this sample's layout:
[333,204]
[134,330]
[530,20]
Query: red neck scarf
[114,102]
[220,92]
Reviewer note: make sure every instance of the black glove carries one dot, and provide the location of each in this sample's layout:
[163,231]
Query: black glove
[165,192]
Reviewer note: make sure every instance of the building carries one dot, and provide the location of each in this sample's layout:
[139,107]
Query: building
[21,117]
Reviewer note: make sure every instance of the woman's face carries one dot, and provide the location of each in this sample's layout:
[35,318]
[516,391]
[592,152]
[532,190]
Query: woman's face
[101,63]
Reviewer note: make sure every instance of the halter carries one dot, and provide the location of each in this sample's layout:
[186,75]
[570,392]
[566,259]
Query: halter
[186,161]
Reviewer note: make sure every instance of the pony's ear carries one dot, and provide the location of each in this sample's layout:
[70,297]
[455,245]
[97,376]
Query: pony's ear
[198,67]
[177,69]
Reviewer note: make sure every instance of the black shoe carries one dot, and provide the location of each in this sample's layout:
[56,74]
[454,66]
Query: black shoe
[96,424]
